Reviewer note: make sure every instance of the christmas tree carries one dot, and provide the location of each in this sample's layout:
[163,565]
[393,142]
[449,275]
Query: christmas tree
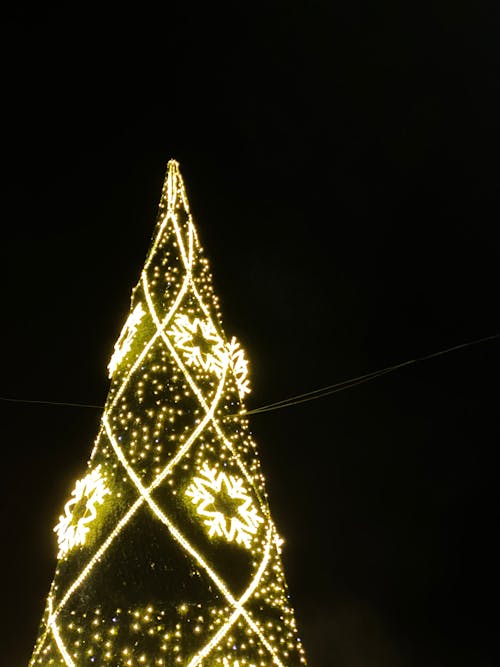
[167,553]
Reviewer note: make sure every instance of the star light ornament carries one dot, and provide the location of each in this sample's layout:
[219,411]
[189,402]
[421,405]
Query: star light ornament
[207,492]
[80,510]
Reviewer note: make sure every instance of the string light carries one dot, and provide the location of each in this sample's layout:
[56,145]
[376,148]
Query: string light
[168,469]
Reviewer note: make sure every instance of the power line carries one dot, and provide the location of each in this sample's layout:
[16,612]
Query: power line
[299,398]
[71,405]
[354,382]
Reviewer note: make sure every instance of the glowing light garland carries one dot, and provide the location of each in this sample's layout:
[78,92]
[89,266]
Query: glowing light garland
[174,378]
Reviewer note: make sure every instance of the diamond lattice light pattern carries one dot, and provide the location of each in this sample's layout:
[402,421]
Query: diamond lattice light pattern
[167,551]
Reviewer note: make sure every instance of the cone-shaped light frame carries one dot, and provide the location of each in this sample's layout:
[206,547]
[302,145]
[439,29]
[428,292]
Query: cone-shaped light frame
[167,553]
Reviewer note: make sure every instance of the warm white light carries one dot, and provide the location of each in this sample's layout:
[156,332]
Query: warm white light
[80,511]
[204,492]
[122,345]
[163,422]
[239,364]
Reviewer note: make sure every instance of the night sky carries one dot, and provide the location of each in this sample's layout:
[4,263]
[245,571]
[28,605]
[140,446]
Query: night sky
[341,161]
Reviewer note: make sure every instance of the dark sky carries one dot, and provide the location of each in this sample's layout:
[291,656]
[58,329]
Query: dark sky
[341,161]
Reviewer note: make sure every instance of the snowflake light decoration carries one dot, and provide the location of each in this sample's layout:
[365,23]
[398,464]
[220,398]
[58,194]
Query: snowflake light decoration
[122,345]
[202,347]
[80,510]
[239,364]
[200,343]
[239,520]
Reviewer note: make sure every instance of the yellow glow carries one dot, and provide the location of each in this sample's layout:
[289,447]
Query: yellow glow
[175,378]
[239,364]
[72,529]
[203,347]
[227,662]
[55,631]
[122,345]
[204,491]
[200,343]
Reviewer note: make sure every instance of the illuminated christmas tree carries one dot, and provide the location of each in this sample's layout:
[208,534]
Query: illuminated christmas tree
[167,553]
